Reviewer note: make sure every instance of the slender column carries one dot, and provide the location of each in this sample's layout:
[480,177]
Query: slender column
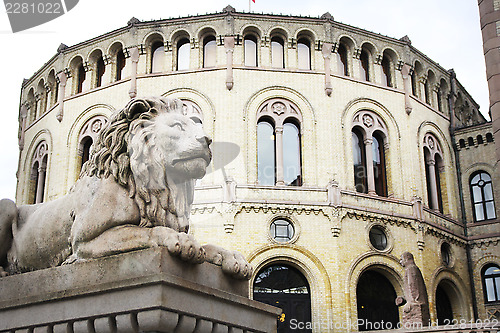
[279,156]
[23,114]
[134,57]
[405,71]
[432,181]
[62,90]
[229,45]
[369,165]
[326,50]
[40,185]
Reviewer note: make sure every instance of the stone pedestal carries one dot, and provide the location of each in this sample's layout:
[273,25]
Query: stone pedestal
[141,291]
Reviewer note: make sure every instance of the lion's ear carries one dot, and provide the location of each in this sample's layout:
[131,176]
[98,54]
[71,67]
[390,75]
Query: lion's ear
[136,107]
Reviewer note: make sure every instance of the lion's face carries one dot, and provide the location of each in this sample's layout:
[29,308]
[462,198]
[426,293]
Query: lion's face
[173,141]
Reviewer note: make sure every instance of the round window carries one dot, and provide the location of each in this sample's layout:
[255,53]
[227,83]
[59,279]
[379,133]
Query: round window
[282,231]
[378,238]
[446,254]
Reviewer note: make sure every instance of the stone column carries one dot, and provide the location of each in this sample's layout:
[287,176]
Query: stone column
[279,155]
[62,90]
[22,122]
[369,166]
[229,45]
[134,57]
[405,71]
[432,175]
[326,51]
[40,185]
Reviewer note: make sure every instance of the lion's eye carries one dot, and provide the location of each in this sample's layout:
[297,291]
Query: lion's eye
[177,126]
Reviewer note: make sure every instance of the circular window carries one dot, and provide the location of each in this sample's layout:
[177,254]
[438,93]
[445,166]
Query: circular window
[378,238]
[282,231]
[446,254]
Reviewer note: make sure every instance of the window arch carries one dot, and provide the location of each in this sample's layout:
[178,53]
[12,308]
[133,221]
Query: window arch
[434,169]
[279,143]
[41,98]
[157,54]
[430,88]
[483,203]
[369,142]
[209,51]
[31,105]
[389,59]
[119,61]
[277,52]
[79,74]
[489,137]
[364,61]
[88,135]
[344,46]
[53,89]
[99,67]
[250,45]
[38,173]
[491,283]
[415,79]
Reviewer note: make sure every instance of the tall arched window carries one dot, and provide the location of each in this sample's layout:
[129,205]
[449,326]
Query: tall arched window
[414,83]
[88,135]
[304,53]
[250,51]
[100,69]
[277,52]
[183,54]
[53,89]
[387,78]
[279,143]
[481,189]
[38,173]
[342,60]
[119,64]
[364,60]
[491,283]
[80,78]
[434,166]
[369,135]
[209,51]
[157,56]
[41,98]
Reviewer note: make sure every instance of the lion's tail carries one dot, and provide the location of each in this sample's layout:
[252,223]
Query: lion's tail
[8,216]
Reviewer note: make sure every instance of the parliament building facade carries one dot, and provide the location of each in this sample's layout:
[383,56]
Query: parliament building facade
[336,149]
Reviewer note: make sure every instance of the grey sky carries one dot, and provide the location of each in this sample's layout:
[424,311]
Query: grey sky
[447,31]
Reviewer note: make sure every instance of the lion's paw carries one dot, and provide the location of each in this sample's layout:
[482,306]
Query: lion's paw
[232,262]
[181,244]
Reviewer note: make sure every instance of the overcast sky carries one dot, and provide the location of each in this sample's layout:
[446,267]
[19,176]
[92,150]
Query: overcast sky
[447,31]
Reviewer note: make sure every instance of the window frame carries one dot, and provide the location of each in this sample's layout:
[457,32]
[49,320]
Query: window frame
[496,287]
[484,201]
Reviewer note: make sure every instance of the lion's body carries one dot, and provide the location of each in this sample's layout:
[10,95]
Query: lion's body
[135,192]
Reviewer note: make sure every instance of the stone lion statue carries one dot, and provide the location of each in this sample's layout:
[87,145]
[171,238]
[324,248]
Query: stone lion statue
[135,192]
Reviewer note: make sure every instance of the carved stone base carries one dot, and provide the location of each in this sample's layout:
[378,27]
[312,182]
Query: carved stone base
[418,314]
[141,291]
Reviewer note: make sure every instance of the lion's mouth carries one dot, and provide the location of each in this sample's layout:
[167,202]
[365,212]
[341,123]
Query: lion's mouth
[205,157]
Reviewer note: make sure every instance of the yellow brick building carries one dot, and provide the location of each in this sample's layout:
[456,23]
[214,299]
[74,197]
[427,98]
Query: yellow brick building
[335,150]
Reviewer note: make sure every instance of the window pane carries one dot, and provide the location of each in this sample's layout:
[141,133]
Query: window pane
[183,52]
[157,60]
[488,192]
[209,52]
[497,282]
[356,150]
[265,153]
[479,211]
[250,52]
[277,53]
[490,290]
[492,270]
[476,193]
[291,154]
[476,177]
[490,210]
[485,176]
[304,56]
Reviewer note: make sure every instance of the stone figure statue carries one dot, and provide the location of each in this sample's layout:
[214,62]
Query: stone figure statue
[415,301]
[135,192]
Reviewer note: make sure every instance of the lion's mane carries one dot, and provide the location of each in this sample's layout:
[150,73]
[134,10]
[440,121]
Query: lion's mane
[141,168]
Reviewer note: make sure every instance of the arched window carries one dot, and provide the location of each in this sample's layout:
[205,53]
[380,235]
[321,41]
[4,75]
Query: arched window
[414,83]
[470,141]
[41,98]
[38,173]
[100,69]
[369,135]
[183,54]
[277,52]
[491,283]
[119,64]
[375,297]
[250,51]
[80,78]
[342,60]
[157,56]
[286,287]
[53,89]
[427,91]
[279,143]
[387,78]
[88,135]
[481,189]
[479,139]
[444,309]
[364,60]
[461,142]
[434,166]
[304,53]
[489,137]
[209,51]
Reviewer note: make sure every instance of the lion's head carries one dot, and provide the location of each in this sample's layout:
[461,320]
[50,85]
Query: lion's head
[156,151]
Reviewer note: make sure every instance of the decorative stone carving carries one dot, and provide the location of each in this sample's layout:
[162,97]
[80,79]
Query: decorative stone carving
[415,301]
[136,192]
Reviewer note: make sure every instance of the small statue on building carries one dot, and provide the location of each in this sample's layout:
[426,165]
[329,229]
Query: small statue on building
[415,301]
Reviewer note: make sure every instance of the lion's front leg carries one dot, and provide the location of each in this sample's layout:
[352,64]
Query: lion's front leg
[179,244]
[232,262]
